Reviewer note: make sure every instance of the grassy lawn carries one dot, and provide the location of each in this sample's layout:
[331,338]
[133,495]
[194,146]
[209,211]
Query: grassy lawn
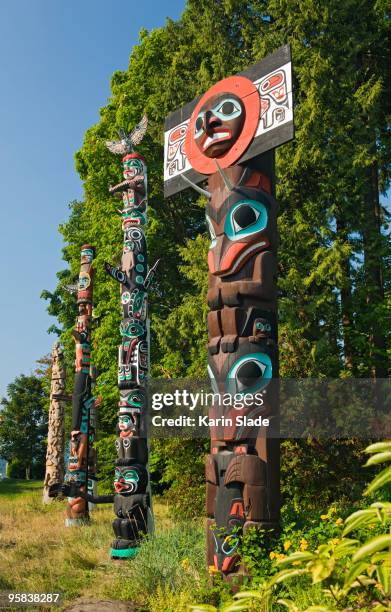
[39,554]
[9,487]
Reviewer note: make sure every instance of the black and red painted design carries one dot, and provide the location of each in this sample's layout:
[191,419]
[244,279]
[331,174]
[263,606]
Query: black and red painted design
[81,467]
[132,504]
[229,136]
[258,104]
[243,468]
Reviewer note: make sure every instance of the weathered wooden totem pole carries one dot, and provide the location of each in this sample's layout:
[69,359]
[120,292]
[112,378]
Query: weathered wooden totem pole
[132,503]
[81,468]
[55,450]
[229,136]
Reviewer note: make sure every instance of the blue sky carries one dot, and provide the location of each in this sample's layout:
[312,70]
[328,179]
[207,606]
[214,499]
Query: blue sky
[56,60]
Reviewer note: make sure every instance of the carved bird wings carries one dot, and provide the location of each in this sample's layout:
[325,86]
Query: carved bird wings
[128,141]
[72,289]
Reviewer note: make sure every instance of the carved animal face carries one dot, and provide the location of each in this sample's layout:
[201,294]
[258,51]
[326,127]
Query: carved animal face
[244,381]
[132,167]
[248,370]
[133,399]
[219,124]
[238,230]
[130,479]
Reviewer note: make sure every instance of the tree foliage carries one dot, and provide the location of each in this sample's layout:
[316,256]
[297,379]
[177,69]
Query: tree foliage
[23,425]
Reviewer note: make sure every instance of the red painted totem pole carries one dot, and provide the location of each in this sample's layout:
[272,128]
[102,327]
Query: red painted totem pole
[229,136]
[81,468]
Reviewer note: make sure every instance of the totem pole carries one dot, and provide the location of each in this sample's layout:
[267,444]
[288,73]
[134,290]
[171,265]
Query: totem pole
[81,467]
[55,449]
[132,504]
[229,136]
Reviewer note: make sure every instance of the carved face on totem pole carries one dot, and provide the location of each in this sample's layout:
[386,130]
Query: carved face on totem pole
[130,479]
[84,287]
[222,124]
[235,121]
[219,124]
[243,225]
[132,405]
[133,165]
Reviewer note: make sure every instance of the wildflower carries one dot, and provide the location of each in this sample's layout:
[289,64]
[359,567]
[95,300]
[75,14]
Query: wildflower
[212,569]
[287,545]
[280,556]
[339,521]
[303,544]
[272,555]
[335,541]
[185,564]
[324,517]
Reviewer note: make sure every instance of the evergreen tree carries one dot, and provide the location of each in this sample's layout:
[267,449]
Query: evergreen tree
[23,425]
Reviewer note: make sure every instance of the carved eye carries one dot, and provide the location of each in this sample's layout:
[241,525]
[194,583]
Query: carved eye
[249,374]
[135,234]
[199,126]
[131,475]
[228,109]
[244,216]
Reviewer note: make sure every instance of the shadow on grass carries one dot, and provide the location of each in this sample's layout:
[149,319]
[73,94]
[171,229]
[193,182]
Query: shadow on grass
[14,486]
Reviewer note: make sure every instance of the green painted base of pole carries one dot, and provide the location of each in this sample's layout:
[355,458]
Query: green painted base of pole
[123,553]
[77,522]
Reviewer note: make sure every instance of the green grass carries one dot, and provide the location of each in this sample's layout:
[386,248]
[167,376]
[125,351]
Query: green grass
[39,554]
[9,487]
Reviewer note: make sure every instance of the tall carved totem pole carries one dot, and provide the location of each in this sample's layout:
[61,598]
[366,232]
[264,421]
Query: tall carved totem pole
[229,136]
[81,467]
[132,503]
[56,433]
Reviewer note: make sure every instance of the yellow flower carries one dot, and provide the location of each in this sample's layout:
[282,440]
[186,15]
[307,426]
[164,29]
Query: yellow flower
[212,569]
[287,545]
[272,555]
[280,556]
[335,541]
[303,544]
[185,564]
[332,510]
[324,517]
[339,521]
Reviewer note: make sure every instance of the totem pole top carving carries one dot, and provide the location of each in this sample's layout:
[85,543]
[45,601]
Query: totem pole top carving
[238,118]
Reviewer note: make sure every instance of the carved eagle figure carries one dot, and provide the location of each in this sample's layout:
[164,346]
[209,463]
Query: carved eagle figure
[128,141]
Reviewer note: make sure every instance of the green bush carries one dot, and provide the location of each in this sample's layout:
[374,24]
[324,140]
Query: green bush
[350,571]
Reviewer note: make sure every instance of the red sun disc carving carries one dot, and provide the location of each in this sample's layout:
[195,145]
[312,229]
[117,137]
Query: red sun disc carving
[244,89]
